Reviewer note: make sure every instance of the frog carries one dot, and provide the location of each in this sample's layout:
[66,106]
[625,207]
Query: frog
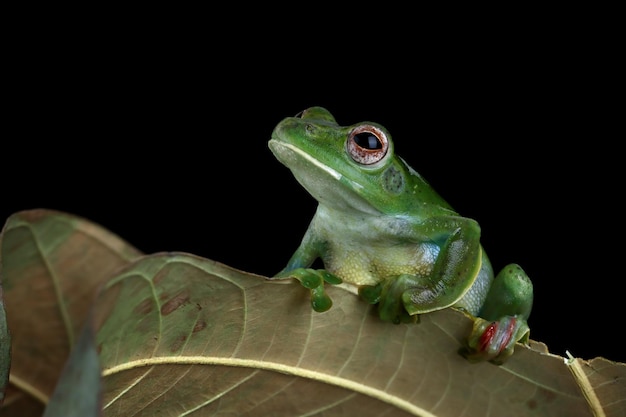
[382,231]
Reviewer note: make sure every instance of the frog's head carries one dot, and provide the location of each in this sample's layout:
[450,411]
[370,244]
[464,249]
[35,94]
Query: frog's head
[349,168]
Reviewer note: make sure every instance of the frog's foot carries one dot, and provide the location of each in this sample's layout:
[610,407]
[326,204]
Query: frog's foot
[314,280]
[495,340]
[503,317]
[388,296]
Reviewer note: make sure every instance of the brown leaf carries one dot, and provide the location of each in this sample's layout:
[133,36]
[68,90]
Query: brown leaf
[185,333]
[182,334]
[5,349]
[52,265]
[603,384]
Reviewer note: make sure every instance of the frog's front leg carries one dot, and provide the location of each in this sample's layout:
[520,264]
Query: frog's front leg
[455,269]
[314,280]
[450,277]
[503,317]
[298,267]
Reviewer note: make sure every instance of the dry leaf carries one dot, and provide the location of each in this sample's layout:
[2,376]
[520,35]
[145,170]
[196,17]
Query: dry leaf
[51,267]
[5,349]
[183,335]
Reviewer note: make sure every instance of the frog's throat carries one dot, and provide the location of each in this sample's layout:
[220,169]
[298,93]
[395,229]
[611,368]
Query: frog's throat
[351,196]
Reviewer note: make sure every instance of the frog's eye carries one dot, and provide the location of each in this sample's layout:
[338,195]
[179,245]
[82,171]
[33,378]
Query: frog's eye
[367,144]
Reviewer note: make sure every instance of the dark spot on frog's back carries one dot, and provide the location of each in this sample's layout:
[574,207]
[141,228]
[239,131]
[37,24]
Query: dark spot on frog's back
[175,302]
[392,180]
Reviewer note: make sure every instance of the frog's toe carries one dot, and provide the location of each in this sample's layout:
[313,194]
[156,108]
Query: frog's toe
[309,278]
[391,306]
[320,301]
[495,340]
[371,293]
[314,280]
[330,278]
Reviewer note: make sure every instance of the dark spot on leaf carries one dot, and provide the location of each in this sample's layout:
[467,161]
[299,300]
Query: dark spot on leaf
[175,302]
[159,277]
[542,397]
[178,343]
[547,396]
[99,348]
[33,216]
[200,324]
[144,307]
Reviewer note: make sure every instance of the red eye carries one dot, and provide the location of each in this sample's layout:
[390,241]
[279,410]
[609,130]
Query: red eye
[367,144]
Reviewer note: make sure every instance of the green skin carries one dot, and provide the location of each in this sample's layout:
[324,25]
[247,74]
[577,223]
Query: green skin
[380,228]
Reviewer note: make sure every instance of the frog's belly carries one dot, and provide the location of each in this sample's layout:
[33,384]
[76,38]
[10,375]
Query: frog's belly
[371,265]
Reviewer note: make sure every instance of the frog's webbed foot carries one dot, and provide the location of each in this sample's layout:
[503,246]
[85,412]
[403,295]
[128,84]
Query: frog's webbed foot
[495,340]
[314,279]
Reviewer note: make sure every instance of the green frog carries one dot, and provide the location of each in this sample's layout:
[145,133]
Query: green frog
[382,230]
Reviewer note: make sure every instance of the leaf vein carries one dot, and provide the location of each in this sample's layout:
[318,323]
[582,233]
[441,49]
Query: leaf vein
[277,367]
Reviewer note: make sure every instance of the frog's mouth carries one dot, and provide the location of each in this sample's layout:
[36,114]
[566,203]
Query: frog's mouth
[327,185]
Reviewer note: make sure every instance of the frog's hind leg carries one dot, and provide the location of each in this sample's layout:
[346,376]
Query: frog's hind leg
[503,318]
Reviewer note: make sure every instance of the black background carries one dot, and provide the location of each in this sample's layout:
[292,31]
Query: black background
[166,146]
